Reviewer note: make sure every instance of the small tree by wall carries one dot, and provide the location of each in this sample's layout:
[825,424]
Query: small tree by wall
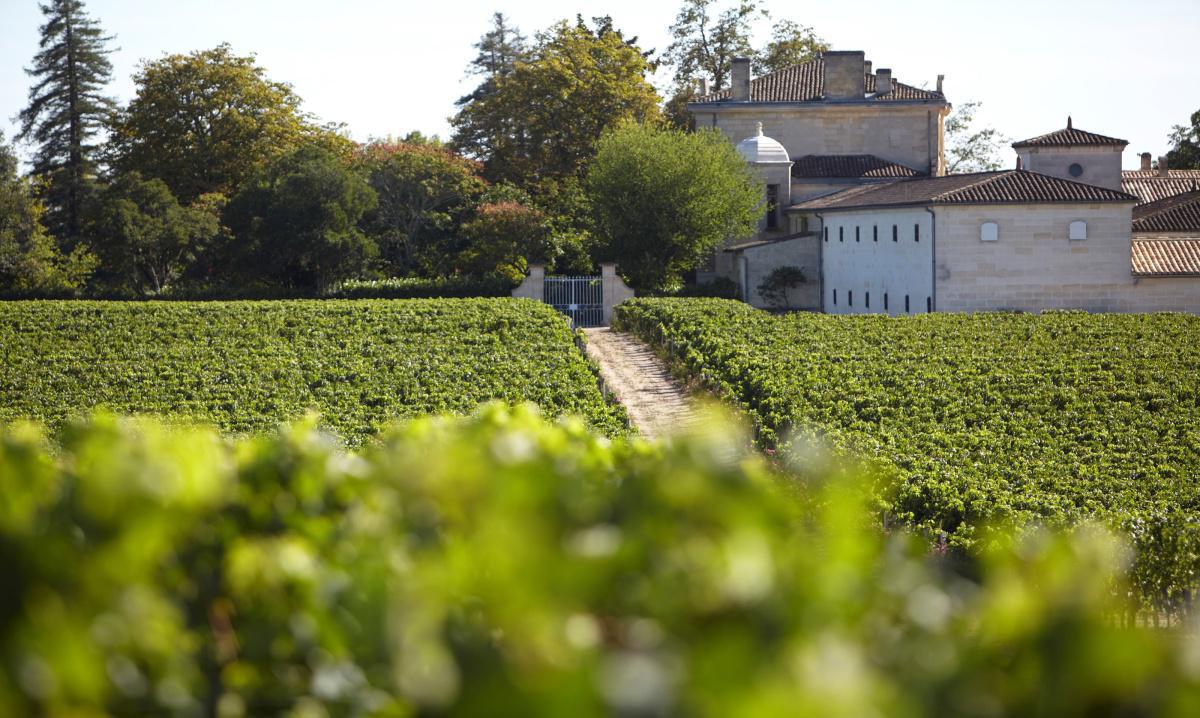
[774,289]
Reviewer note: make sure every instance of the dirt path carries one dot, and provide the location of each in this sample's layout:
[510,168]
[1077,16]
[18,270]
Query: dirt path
[656,404]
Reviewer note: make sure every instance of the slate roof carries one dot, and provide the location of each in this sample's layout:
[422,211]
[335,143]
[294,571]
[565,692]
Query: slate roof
[1179,213]
[849,166]
[1166,257]
[1070,137]
[805,82]
[1002,187]
[1149,186]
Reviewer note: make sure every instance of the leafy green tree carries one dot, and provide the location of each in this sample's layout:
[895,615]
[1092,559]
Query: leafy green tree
[206,122]
[297,223]
[144,237]
[1185,145]
[704,43]
[504,237]
[66,109]
[790,44]
[664,199]
[423,190]
[498,52]
[970,148]
[541,120]
[774,288]
[30,259]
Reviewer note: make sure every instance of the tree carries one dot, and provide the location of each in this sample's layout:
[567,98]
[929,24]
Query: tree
[704,46]
[664,199]
[774,288]
[30,260]
[790,44]
[541,120]
[423,192]
[296,223]
[207,121]
[66,109]
[970,148]
[504,237]
[1185,145]
[145,238]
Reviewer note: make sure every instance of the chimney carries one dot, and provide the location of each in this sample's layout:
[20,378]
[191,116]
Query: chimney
[883,81]
[1020,165]
[740,80]
[866,67]
[941,79]
[1163,169]
[1146,166]
[844,76]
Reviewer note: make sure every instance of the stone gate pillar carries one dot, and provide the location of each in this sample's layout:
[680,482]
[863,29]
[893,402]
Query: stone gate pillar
[534,285]
[615,290]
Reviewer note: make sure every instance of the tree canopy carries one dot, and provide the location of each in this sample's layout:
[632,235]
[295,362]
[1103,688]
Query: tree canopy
[67,107]
[665,199]
[969,147]
[541,119]
[1185,145]
[206,122]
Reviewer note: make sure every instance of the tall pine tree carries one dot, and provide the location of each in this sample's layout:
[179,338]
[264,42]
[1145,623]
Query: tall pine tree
[66,109]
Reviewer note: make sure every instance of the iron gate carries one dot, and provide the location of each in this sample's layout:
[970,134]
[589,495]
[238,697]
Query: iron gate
[580,298]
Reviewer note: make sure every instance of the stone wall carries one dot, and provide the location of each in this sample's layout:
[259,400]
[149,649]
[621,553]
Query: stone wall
[1101,165]
[907,134]
[803,252]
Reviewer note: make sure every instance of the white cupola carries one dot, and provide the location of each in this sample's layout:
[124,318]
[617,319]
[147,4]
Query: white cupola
[762,150]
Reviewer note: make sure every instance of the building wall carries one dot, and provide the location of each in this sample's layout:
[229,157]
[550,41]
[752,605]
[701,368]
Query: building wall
[1034,266]
[907,134]
[1101,165]
[884,268]
[803,252]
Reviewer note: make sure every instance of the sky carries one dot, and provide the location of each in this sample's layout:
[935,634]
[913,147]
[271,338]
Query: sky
[386,67]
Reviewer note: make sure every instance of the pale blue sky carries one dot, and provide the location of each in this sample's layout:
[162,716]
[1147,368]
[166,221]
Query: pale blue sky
[386,67]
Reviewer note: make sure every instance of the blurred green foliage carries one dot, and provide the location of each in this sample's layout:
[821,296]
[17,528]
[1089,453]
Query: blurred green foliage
[505,565]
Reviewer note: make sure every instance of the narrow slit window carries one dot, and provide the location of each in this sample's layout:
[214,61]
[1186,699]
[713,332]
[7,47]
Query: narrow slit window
[850,297]
[826,234]
[895,233]
[856,228]
[841,234]
[929,304]
[875,232]
[916,233]
[885,303]
[906,307]
[867,300]
[835,297]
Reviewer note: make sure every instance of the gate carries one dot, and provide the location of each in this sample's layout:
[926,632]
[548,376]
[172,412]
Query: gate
[580,298]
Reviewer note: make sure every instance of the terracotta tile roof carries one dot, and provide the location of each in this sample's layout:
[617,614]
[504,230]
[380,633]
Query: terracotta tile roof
[1166,257]
[1002,187]
[805,82]
[1069,137]
[1178,213]
[1149,185]
[844,166]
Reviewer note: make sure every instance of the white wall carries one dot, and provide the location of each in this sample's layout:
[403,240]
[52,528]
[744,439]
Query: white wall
[854,269]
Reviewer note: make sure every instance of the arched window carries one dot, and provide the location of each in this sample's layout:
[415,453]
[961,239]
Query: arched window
[1077,230]
[989,232]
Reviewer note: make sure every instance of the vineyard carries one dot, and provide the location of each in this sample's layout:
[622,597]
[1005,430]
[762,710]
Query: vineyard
[245,366]
[981,419]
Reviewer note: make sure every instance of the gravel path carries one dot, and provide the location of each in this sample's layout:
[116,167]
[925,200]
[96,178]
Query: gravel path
[655,402]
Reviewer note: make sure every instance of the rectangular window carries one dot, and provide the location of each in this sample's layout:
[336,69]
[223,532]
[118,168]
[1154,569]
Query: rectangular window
[885,306]
[867,300]
[850,297]
[835,297]
[916,233]
[856,233]
[841,234]
[906,307]
[929,304]
[875,232]
[772,206]
[826,234]
[895,233]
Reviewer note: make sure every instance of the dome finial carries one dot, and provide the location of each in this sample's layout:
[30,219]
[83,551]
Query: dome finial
[1069,122]
[758,127]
